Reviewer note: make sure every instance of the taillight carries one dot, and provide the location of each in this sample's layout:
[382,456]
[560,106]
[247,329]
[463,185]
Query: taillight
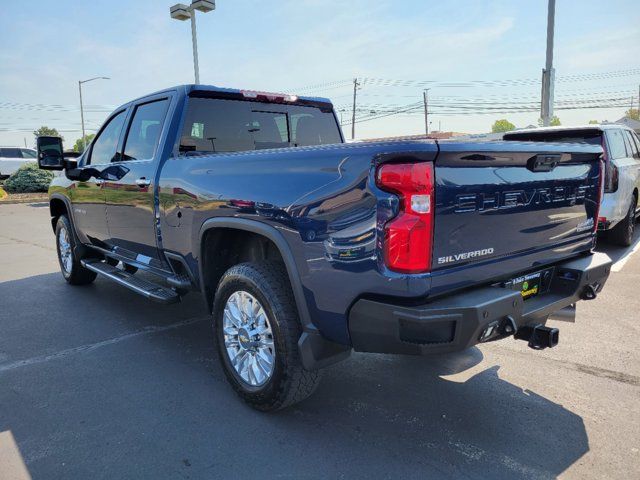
[409,236]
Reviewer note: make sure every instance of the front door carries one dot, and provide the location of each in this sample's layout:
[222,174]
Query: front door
[129,191]
[87,196]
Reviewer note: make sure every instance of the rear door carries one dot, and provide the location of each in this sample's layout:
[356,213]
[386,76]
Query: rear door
[130,181]
[504,200]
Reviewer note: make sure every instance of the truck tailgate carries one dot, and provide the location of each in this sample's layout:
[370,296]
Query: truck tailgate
[503,201]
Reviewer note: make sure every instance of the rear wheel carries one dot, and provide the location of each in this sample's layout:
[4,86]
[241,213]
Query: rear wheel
[72,271]
[257,331]
[622,233]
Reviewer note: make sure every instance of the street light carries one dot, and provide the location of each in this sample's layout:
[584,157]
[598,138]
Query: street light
[180,11]
[80,82]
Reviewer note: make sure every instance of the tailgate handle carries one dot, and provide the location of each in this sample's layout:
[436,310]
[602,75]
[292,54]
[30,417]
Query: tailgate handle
[543,163]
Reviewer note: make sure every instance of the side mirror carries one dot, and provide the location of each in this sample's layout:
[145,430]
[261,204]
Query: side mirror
[50,155]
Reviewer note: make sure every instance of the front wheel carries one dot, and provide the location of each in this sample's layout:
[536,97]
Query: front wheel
[622,233]
[72,271]
[257,331]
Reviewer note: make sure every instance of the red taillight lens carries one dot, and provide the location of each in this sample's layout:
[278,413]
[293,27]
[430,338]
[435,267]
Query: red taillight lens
[409,236]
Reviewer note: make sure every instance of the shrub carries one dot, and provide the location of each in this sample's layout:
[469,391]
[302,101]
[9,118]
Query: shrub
[28,178]
[2,193]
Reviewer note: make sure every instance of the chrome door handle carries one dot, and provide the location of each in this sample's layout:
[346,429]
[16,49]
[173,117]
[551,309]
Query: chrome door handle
[143,182]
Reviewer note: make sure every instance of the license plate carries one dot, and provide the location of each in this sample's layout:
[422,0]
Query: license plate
[528,285]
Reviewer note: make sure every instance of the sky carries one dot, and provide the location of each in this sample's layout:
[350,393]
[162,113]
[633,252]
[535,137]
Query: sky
[475,56]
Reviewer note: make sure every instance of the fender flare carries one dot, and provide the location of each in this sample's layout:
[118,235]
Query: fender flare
[315,351]
[281,244]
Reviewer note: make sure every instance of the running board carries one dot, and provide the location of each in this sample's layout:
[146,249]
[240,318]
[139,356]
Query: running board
[143,287]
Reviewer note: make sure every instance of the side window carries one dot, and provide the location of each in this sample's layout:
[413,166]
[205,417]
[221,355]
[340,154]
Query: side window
[636,140]
[144,132]
[106,144]
[11,152]
[631,144]
[616,144]
[26,153]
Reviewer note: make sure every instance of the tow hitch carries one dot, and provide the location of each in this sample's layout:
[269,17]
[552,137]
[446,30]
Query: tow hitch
[538,336]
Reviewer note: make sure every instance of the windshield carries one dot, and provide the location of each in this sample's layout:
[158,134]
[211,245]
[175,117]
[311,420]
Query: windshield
[217,125]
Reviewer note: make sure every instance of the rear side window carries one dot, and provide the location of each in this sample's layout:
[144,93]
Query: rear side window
[616,145]
[11,153]
[631,145]
[144,132]
[26,153]
[217,125]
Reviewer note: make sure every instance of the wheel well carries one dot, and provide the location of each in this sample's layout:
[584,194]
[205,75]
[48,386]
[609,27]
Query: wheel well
[57,208]
[224,247]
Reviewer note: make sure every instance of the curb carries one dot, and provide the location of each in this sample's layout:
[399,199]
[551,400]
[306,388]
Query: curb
[14,202]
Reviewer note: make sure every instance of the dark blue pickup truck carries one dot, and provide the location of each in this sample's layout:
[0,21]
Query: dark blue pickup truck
[306,248]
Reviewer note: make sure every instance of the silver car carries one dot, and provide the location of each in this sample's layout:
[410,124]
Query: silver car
[12,158]
[619,208]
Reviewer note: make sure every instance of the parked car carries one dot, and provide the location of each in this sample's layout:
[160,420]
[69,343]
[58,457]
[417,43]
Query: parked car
[12,158]
[305,247]
[620,207]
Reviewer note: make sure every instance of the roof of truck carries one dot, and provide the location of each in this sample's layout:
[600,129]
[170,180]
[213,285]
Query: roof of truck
[192,88]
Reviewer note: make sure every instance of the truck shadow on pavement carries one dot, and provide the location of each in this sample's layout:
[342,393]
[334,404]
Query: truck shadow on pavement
[100,383]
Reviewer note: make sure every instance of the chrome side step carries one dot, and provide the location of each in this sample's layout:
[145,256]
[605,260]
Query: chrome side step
[139,285]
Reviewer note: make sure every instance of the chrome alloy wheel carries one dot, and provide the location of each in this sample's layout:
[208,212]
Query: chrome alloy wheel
[64,247]
[248,338]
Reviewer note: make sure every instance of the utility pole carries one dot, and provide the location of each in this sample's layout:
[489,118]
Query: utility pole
[548,74]
[356,84]
[425,97]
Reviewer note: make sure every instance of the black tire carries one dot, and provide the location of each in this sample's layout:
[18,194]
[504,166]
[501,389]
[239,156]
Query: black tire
[72,271]
[290,382]
[622,233]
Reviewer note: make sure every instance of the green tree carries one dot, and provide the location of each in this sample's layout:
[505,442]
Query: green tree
[633,113]
[45,131]
[79,146]
[502,125]
[593,122]
[555,122]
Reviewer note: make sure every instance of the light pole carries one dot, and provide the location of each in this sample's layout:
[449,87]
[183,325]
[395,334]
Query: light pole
[80,82]
[180,11]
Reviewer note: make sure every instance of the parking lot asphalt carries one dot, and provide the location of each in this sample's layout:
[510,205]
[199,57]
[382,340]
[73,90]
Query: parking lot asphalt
[97,382]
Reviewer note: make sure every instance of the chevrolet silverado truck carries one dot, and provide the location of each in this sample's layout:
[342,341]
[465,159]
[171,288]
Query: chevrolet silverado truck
[306,248]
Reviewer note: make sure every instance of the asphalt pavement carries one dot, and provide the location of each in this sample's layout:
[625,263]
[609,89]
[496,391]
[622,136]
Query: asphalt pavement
[97,382]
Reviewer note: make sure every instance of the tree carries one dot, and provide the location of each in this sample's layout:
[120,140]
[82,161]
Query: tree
[555,122]
[79,145]
[593,122]
[633,113]
[45,131]
[502,125]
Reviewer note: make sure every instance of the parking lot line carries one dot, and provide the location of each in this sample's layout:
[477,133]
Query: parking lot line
[93,346]
[635,246]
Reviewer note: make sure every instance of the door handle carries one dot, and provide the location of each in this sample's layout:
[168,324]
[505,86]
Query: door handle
[143,182]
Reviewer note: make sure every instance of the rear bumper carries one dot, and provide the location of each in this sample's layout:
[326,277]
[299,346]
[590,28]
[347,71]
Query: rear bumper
[456,322]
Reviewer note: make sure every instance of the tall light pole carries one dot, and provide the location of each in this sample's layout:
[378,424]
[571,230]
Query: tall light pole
[356,85]
[180,11]
[80,82]
[548,74]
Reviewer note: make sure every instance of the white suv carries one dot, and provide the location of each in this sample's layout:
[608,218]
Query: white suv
[12,158]
[621,145]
